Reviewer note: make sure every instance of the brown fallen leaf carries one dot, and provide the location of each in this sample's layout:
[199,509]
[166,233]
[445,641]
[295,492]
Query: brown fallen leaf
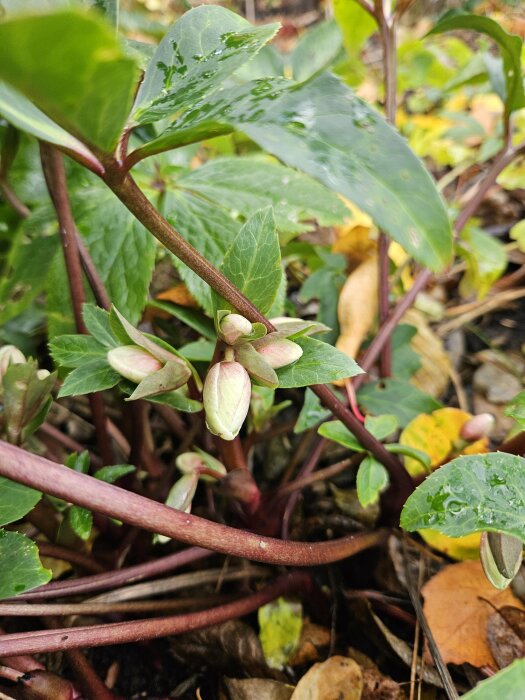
[457,611]
[313,637]
[257,689]
[506,635]
[357,306]
[377,686]
[178,294]
[337,678]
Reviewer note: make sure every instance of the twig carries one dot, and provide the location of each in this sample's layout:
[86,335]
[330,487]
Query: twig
[84,490]
[138,630]
[319,475]
[12,199]
[47,549]
[495,301]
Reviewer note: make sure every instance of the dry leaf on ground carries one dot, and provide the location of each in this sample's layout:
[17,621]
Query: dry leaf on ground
[257,689]
[434,374]
[313,637]
[506,635]
[357,306]
[337,678]
[457,612]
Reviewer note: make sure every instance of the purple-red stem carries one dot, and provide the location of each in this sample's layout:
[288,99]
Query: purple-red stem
[113,501]
[137,630]
[55,176]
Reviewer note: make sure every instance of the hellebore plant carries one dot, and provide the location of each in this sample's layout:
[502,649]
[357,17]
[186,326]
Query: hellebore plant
[329,143]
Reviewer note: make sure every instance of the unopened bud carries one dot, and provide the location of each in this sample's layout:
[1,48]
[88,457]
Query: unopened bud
[195,462]
[10,355]
[226,398]
[478,427]
[233,327]
[133,363]
[278,352]
[43,373]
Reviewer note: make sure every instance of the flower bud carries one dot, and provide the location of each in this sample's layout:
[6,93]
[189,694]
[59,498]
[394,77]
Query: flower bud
[43,373]
[195,462]
[226,398]
[133,363]
[233,327]
[478,427]
[10,355]
[277,351]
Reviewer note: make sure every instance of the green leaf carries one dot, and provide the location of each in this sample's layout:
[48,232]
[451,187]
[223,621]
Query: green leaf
[325,284]
[312,412]
[316,50]
[405,360]
[78,462]
[74,350]
[517,233]
[86,82]
[516,409]
[59,308]
[208,228]
[170,377]
[253,262]
[508,683]
[110,8]
[197,54]
[95,375]
[380,427]
[339,140]
[473,493]
[97,323]
[23,114]
[20,567]
[510,46]
[486,260]
[320,363]
[15,500]
[397,397]
[280,624]
[122,250]
[113,472]
[193,318]
[178,401]
[81,521]
[28,263]
[198,351]
[372,479]
[356,25]
[243,185]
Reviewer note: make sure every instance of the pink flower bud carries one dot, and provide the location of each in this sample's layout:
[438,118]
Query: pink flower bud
[133,363]
[10,355]
[277,351]
[233,327]
[478,427]
[226,398]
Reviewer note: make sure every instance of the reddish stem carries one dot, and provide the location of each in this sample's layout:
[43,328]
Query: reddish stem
[55,176]
[79,559]
[137,630]
[84,490]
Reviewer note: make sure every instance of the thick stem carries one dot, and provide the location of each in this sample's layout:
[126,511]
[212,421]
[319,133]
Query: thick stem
[84,490]
[126,189]
[138,630]
[55,176]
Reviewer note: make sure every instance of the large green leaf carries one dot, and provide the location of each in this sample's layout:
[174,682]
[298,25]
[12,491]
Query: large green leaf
[510,46]
[324,129]
[122,250]
[197,54]
[23,114]
[472,493]
[397,397]
[506,684]
[15,500]
[20,567]
[320,363]
[245,185]
[253,261]
[70,64]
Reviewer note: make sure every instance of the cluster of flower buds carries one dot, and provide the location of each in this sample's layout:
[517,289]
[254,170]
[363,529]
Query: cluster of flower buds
[151,366]
[251,354]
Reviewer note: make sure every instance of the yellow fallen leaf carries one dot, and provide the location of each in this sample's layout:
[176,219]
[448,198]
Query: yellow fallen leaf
[457,611]
[434,373]
[357,306]
[355,238]
[337,678]
[178,294]
[460,548]
[400,257]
